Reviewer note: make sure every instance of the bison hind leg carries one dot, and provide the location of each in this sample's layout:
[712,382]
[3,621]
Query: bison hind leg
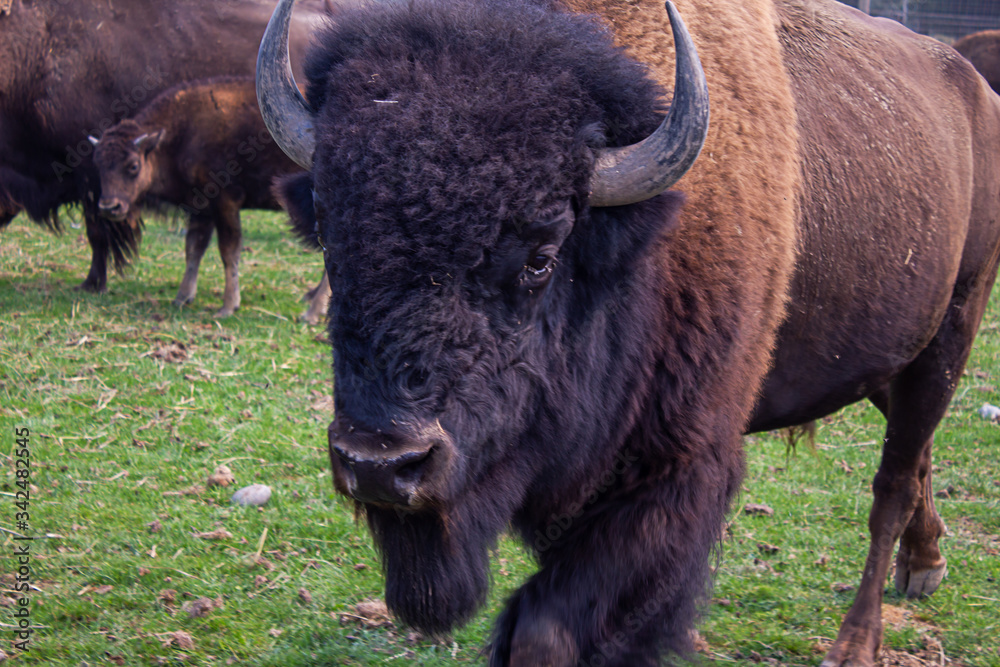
[230,248]
[920,567]
[914,402]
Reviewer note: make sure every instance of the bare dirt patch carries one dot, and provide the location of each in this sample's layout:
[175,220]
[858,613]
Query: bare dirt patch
[899,618]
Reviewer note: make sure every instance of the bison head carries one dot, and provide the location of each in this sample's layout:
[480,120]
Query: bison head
[123,157]
[493,264]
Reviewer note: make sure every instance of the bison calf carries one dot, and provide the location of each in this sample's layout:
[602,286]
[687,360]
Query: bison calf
[201,146]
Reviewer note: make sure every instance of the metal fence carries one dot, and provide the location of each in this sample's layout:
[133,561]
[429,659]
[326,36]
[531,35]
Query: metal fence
[945,19]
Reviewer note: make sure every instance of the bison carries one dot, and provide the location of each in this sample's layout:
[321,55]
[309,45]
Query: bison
[69,69]
[982,49]
[531,329]
[202,146]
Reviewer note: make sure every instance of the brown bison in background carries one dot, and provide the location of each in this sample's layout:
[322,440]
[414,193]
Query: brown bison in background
[529,330]
[69,69]
[982,49]
[202,146]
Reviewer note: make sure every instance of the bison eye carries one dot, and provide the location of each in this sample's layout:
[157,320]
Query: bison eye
[540,263]
[132,169]
[539,266]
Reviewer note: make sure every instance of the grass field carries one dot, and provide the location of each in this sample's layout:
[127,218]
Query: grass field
[131,404]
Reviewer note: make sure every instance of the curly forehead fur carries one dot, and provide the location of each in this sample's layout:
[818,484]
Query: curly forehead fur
[442,127]
[118,142]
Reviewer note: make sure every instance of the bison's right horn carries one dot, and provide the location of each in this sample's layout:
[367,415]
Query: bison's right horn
[285,111]
[634,173]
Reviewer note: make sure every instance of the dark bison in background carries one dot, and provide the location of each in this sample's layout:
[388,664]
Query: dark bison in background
[982,49]
[202,146]
[529,330]
[69,69]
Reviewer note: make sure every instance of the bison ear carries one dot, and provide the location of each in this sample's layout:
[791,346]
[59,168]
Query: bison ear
[295,194]
[148,141]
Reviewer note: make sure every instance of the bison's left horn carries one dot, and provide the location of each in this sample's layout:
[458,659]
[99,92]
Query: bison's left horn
[285,111]
[633,173]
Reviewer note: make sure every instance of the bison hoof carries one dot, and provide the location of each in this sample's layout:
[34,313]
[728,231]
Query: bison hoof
[224,312]
[89,285]
[850,655]
[542,643]
[182,301]
[849,662]
[857,644]
[918,583]
[310,318]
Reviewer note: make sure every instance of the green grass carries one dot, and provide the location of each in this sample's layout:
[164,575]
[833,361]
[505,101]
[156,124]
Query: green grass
[132,403]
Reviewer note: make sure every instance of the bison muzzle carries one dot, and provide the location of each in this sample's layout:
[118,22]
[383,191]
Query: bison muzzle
[402,468]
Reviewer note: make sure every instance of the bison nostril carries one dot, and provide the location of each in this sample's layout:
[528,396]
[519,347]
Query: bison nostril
[112,207]
[344,456]
[412,467]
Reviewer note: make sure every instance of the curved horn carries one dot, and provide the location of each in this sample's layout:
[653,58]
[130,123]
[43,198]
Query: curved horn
[286,113]
[633,173]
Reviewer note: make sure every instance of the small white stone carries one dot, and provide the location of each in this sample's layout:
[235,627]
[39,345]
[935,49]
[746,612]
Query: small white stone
[990,412]
[255,494]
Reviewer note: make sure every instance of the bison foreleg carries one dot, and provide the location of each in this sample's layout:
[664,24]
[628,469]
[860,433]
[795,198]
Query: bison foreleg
[97,277]
[620,581]
[199,233]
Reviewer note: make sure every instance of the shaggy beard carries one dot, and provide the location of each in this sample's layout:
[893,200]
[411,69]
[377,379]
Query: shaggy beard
[436,566]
